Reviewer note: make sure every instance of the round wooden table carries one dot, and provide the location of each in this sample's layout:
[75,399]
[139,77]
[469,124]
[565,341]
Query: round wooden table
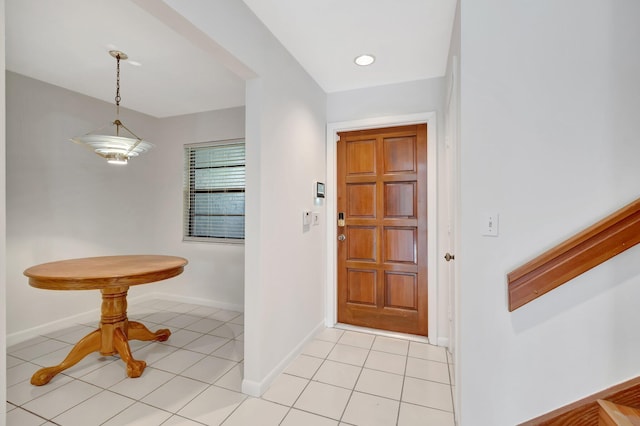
[112,275]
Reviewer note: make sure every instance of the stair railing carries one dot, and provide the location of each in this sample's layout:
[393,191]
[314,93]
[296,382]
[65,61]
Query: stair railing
[609,237]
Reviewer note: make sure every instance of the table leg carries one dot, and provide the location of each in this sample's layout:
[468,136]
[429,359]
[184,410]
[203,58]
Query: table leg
[121,343]
[138,331]
[111,338]
[88,344]
[117,330]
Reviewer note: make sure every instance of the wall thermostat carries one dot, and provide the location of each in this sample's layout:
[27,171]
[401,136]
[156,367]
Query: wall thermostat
[318,190]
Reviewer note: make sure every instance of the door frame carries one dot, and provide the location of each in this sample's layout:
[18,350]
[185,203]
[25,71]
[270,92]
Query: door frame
[451,141]
[331,302]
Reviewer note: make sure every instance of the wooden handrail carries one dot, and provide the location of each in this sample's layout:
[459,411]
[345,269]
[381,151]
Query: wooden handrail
[585,250]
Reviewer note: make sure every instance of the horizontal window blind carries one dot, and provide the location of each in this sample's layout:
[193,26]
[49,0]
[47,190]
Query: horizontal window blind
[214,191]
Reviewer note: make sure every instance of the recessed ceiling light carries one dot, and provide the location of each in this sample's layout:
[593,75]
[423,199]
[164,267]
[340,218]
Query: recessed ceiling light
[364,60]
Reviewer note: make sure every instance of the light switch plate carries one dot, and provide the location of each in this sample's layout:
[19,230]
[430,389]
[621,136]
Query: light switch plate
[491,225]
[315,218]
[306,218]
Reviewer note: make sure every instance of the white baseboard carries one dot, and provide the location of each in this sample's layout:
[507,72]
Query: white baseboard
[443,341]
[50,327]
[257,388]
[252,388]
[196,301]
[94,315]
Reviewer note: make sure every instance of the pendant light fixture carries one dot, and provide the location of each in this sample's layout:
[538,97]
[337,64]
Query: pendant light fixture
[125,144]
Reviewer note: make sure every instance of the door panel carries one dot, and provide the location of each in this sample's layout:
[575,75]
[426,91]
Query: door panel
[399,155]
[401,291]
[361,287]
[400,200]
[382,261]
[361,200]
[400,245]
[361,242]
[361,158]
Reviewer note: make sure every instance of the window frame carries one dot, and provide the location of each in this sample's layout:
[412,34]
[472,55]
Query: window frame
[189,189]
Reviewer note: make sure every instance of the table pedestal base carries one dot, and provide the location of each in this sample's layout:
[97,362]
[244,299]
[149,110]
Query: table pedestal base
[111,338]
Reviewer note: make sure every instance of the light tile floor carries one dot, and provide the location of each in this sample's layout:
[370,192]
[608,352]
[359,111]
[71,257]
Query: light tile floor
[194,378]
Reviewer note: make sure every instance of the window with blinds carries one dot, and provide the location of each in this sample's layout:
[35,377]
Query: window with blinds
[214,191]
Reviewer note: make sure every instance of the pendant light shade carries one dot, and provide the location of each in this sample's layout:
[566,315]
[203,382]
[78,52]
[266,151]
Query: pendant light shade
[122,144]
[115,148]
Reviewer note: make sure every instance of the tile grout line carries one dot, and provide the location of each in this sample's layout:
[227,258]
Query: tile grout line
[179,374]
[234,410]
[451,384]
[357,379]
[301,392]
[309,382]
[81,402]
[119,412]
[103,389]
[235,363]
[37,415]
[404,378]
[189,378]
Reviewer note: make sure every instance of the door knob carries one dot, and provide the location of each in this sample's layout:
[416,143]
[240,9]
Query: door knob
[342,237]
[449,257]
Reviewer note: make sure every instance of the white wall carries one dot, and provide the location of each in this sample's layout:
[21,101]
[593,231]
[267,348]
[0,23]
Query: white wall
[405,99]
[389,100]
[63,201]
[215,271]
[3,250]
[451,204]
[286,116]
[550,97]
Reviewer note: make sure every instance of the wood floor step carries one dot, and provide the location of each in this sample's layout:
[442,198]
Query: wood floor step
[612,414]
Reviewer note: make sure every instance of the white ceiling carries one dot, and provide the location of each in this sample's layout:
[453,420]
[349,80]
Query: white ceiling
[66,43]
[409,38]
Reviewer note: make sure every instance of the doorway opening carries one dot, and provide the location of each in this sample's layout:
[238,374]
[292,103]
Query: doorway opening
[382,228]
[333,129]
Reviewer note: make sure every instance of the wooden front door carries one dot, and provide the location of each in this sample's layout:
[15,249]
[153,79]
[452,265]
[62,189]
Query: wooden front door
[382,228]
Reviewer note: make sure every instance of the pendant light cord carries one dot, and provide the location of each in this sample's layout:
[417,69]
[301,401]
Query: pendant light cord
[117,122]
[118,85]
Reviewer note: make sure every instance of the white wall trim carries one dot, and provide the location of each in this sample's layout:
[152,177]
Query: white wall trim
[256,389]
[196,301]
[50,327]
[432,222]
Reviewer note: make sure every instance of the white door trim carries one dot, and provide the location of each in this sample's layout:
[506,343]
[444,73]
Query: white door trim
[331,313]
